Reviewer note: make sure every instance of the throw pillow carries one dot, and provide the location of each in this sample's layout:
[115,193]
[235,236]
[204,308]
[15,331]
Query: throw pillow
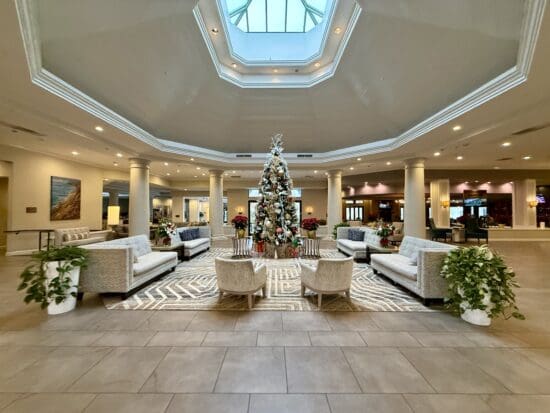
[186,235]
[356,235]
[196,233]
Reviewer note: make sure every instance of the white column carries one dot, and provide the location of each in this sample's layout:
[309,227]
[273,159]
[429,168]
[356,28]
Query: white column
[440,202]
[113,198]
[415,202]
[177,207]
[334,200]
[139,197]
[215,207]
[523,215]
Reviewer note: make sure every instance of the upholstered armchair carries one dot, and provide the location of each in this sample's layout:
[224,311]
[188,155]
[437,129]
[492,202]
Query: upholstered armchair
[239,277]
[332,276]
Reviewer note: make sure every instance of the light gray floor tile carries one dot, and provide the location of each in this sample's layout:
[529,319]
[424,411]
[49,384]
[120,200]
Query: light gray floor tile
[336,338]
[81,319]
[177,338]
[389,321]
[8,398]
[72,338]
[56,371]
[125,369]
[389,339]
[385,370]
[129,403]
[430,339]
[448,371]
[124,339]
[540,340]
[319,370]
[213,321]
[186,370]
[168,321]
[209,403]
[344,321]
[541,356]
[260,321]
[519,404]
[495,339]
[288,403]
[14,359]
[122,320]
[368,403]
[230,338]
[50,403]
[24,337]
[253,370]
[514,370]
[305,321]
[440,321]
[448,403]
[284,338]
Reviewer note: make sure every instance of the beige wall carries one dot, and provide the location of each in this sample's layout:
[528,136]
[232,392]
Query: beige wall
[237,199]
[30,183]
[316,199]
[3,211]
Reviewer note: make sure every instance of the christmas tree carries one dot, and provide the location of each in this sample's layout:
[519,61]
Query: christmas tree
[276,218]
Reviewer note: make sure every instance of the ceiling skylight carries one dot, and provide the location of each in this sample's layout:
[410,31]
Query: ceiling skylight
[276,16]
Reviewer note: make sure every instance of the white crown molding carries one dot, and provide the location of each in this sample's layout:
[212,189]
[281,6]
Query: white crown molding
[506,81]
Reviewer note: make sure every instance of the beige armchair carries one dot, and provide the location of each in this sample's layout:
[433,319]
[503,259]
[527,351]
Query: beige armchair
[332,276]
[239,277]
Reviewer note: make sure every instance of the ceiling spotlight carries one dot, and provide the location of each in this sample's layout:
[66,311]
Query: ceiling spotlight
[459,157]
[317,64]
[358,159]
[437,153]
[489,183]
[388,163]
[115,163]
[351,168]
[456,128]
[234,65]
[234,171]
[192,159]
[466,183]
[75,153]
[195,176]
[275,70]
[506,144]
[185,189]
[177,170]
[526,157]
[315,171]
[496,167]
[338,30]
[167,173]
[105,179]
[165,163]
[198,168]
[215,30]
[203,174]
[119,155]
[99,128]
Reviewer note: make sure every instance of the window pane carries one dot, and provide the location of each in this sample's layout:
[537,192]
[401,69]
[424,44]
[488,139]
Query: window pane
[276,15]
[256,16]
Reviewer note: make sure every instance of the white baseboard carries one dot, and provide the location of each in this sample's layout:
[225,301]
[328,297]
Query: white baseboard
[21,252]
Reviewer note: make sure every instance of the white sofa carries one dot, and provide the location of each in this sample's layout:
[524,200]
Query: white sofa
[417,266]
[357,249]
[123,265]
[78,236]
[195,246]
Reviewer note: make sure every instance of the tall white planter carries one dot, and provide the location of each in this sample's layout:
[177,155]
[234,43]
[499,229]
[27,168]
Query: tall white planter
[69,303]
[477,317]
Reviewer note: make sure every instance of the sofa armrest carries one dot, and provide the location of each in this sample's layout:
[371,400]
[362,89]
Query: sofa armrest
[431,283]
[342,232]
[110,269]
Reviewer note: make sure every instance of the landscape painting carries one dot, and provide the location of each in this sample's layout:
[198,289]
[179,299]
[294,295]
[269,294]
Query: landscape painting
[64,199]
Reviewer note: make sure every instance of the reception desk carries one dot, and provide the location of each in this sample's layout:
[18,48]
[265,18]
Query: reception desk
[519,234]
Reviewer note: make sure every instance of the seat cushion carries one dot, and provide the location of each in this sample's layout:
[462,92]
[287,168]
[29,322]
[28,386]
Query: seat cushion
[84,241]
[398,263]
[352,245]
[148,262]
[195,243]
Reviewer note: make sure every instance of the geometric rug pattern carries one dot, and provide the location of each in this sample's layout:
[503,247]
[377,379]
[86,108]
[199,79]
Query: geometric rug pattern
[192,286]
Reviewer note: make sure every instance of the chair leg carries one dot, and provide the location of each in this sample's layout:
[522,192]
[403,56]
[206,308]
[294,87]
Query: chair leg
[250,301]
[264,293]
[303,290]
[348,295]
[319,300]
[220,296]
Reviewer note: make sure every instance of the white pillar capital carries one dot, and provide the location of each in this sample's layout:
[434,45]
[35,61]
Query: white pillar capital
[414,163]
[139,163]
[334,173]
[216,172]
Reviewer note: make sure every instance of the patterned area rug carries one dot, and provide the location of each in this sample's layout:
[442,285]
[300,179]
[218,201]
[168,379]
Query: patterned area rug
[192,286]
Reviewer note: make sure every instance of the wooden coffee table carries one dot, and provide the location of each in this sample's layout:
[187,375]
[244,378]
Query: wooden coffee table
[179,248]
[380,250]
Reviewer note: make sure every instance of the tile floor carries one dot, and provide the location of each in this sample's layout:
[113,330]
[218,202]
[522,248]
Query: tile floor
[95,360]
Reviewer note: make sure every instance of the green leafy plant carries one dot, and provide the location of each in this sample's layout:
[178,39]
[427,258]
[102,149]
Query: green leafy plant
[476,272]
[341,224]
[384,231]
[38,287]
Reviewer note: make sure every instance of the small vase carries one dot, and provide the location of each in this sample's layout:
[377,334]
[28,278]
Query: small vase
[260,246]
[311,234]
[241,233]
[384,242]
[166,241]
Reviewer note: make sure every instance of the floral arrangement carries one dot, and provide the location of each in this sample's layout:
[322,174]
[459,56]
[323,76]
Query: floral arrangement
[166,229]
[310,224]
[479,279]
[240,222]
[384,231]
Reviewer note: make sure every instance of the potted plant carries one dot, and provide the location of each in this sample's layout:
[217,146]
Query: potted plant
[480,285]
[240,222]
[384,231]
[165,231]
[310,225]
[52,278]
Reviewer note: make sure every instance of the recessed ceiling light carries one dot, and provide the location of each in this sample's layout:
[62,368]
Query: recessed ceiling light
[388,163]
[351,168]
[75,153]
[198,168]
[489,183]
[315,171]
[317,64]
[234,171]
[165,163]
[215,30]
[275,70]
[177,170]
[358,159]
[234,65]
[115,163]
[192,159]
[203,174]
[506,144]
[195,176]
[456,128]
[437,153]
[119,155]
[105,179]
[366,183]
[99,128]
[459,158]
[476,181]
[167,173]
[185,189]
[338,30]
[496,167]
[526,157]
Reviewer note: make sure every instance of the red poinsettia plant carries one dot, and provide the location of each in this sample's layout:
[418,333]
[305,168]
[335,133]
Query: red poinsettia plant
[240,222]
[310,224]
